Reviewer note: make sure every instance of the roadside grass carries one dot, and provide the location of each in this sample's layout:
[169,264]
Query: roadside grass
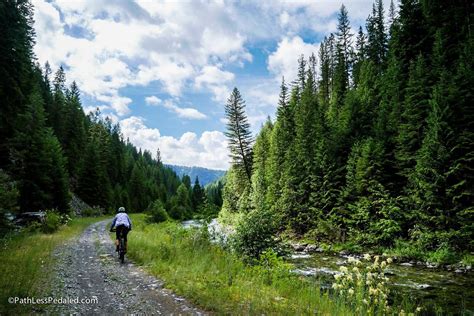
[220,282]
[26,263]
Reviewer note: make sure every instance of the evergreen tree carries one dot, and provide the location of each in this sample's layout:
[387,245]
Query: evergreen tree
[280,139]
[428,181]
[16,54]
[343,65]
[59,113]
[414,113]
[74,133]
[38,161]
[239,135]
[360,55]
[260,174]
[180,203]
[376,36]
[198,196]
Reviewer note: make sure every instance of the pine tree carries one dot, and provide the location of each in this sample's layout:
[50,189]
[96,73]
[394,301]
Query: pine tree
[260,173]
[180,203]
[360,55]
[198,195]
[307,122]
[414,113]
[428,181]
[376,36]
[60,113]
[239,135]
[461,100]
[16,53]
[280,140]
[74,133]
[325,71]
[90,185]
[38,161]
[343,65]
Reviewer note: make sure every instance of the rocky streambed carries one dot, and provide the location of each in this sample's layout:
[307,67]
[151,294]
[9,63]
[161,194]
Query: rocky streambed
[449,287]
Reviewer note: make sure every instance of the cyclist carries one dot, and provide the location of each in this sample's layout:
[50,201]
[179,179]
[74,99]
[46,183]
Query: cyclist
[122,224]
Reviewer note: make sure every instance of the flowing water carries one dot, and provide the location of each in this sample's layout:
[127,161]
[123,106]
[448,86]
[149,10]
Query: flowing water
[430,287]
[453,292]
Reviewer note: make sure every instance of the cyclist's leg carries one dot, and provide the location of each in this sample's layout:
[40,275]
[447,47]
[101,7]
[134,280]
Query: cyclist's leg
[117,237]
[125,233]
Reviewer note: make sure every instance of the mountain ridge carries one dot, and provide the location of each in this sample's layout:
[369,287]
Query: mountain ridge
[205,175]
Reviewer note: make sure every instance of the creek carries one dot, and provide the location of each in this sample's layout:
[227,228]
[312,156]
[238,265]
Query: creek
[429,287]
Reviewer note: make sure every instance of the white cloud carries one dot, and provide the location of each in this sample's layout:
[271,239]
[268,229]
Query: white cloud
[284,61]
[187,113]
[209,150]
[153,100]
[107,46]
[216,80]
[118,103]
[213,75]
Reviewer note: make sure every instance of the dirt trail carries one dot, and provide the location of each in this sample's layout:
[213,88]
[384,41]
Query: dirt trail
[88,268]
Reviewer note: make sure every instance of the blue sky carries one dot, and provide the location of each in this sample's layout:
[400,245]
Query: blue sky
[164,69]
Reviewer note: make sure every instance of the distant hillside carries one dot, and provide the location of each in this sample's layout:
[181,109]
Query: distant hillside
[205,175]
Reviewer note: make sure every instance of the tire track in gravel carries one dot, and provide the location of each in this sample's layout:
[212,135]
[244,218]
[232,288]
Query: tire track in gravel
[88,267]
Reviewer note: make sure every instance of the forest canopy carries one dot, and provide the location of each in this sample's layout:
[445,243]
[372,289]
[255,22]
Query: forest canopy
[373,143]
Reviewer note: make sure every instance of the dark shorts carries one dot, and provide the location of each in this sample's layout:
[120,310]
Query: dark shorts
[121,229]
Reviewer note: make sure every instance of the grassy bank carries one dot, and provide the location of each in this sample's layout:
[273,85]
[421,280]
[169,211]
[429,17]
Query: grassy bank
[220,282]
[26,263]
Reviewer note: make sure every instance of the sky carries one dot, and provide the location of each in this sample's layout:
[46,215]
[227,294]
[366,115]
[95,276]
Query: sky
[163,70]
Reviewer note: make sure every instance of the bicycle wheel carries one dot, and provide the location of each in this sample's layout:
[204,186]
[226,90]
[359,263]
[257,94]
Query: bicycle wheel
[122,250]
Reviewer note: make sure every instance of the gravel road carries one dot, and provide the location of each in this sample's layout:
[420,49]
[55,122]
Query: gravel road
[88,268]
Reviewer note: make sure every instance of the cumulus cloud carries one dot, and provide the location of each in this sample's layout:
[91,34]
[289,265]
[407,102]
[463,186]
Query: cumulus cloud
[183,112]
[216,80]
[284,61]
[107,46]
[152,100]
[208,150]
[188,113]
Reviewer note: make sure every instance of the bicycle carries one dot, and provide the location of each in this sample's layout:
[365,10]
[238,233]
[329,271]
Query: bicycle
[121,246]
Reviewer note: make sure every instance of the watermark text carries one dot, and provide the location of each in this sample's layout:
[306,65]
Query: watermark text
[53,300]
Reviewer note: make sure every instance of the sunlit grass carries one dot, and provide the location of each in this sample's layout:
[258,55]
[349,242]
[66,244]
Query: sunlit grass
[217,280]
[26,263]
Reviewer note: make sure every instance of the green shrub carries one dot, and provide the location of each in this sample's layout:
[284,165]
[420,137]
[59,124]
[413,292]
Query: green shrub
[255,234]
[157,212]
[406,250]
[272,267]
[444,254]
[52,222]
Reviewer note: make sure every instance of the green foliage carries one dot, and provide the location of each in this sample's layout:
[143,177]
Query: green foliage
[218,280]
[8,200]
[180,204]
[239,136]
[256,234]
[52,222]
[377,149]
[49,146]
[157,212]
[272,267]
